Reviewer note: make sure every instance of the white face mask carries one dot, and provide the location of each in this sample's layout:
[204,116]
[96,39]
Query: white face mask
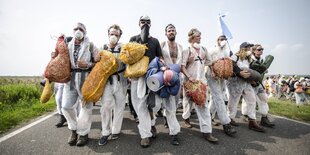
[223,43]
[113,39]
[196,45]
[248,53]
[79,34]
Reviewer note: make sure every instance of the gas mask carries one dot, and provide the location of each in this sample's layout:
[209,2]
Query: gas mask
[145,32]
[223,43]
[79,34]
[113,39]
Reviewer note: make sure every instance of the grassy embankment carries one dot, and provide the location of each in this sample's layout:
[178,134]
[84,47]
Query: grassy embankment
[289,109]
[19,101]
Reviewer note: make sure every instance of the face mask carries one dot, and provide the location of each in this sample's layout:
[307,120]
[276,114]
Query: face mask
[113,39]
[79,34]
[145,33]
[223,43]
[248,53]
[196,45]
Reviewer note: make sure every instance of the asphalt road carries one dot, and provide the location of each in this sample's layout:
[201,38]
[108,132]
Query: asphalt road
[287,138]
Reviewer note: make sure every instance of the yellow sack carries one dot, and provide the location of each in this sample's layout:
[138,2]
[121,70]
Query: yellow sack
[47,92]
[93,86]
[138,69]
[132,52]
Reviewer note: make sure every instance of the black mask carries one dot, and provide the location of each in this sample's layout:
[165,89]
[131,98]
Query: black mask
[145,31]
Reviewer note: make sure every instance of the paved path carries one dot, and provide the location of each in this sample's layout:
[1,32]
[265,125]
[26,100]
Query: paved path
[288,137]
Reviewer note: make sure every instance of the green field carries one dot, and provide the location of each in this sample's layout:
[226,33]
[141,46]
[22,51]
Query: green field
[20,101]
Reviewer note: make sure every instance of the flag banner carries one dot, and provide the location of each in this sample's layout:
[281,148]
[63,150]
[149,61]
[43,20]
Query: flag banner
[223,27]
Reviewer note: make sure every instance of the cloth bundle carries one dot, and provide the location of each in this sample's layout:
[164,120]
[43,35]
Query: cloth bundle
[93,86]
[196,91]
[132,52]
[47,92]
[223,68]
[58,69]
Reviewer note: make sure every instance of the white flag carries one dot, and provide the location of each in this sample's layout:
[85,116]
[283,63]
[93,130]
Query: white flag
[223,27]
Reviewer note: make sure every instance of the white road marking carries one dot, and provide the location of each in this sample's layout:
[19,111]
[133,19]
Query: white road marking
[25,127]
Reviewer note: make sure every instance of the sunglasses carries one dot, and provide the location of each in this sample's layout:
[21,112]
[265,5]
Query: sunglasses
[260,49]
[145,22]
[221,39]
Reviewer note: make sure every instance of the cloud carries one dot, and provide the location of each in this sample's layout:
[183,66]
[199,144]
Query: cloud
[288,48]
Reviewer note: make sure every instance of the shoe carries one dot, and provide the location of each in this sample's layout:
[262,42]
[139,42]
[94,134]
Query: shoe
[214,123]
[229,130]
[61,121]
[265,122]
[114,136]
[73,138]
[175,140]
[166,122]
[159,114]
[82,140]
[154,131]
[233,123]
[254,126]
[103,140]
[210,138]
[245,118]
[137,120]
[145,142]
[187,123]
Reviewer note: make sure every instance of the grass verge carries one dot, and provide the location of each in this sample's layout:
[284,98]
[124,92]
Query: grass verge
[289,109]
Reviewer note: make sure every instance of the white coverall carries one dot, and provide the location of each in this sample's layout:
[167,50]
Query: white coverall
[217,87]
[72,96]
[58,89]
[114,98]
[261,99]
[169,104]
[237,87]
[195,63]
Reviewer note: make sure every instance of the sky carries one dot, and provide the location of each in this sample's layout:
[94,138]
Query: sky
[27,28]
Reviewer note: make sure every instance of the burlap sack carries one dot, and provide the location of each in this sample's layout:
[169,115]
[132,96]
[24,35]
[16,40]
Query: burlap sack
[223,68]
[138,69]
[47,92]
[93,86]
[132,52]
[58,69]
[196,91]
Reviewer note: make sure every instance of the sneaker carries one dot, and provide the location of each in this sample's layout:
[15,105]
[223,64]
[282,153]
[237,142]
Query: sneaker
[175,140]
[114,136]
[233,123]
[145,142]
[154,131]
[73,138]
[229,130]
[210,138]
[188,123]
[103,140]
[82,140]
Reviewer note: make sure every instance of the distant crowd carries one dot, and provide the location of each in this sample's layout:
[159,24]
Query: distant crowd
[289,87]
